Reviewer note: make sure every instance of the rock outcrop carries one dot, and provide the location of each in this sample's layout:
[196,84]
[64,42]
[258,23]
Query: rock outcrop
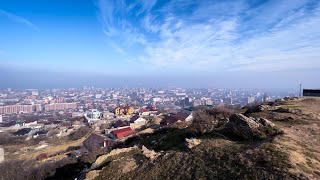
[249,127]
[101,159]
[192,142]
[287,110]
[243,127]
[265,122]
[151,154]
[92,175]
[126,165]
[260,108]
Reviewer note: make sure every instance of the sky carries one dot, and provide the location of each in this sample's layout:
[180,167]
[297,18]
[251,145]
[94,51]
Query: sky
[158,43]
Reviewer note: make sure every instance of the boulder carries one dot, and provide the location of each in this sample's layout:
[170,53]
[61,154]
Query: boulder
[251,128]
[265,122]
[287,110]
[192,142]
[260,108]
[101,159]
[92,174]
[244,127]
[126,165]
[151,154]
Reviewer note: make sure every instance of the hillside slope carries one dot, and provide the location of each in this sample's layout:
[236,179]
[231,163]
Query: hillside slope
[294,154]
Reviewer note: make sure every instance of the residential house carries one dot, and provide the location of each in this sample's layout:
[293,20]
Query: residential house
[95,142]
[120,123]
[148,112]
[123,110]
[181,116]
[136,122]
[121,133]
[168,120]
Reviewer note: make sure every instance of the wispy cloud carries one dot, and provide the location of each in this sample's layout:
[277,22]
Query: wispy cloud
[18,19]
[216,35]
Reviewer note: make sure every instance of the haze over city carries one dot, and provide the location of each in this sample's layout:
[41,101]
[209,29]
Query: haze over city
[238,44]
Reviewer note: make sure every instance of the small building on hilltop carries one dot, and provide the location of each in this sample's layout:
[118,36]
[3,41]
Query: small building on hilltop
[311,92]
[95,142]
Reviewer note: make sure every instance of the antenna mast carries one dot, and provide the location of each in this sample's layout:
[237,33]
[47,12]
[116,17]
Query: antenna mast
[300,90]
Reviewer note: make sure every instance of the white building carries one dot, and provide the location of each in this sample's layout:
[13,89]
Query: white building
[251,99]
[35,93]
[137,123]
[30,123]
[156,99]
[93,116]
[189,118]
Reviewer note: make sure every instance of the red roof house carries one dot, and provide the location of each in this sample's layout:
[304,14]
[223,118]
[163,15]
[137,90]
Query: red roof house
[121,133]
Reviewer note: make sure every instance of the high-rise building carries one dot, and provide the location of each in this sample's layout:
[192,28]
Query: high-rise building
[208,101]
[16,109]
[265,98]
[250,100]
[199,102]
[38,107]
[227,100]
[60,106]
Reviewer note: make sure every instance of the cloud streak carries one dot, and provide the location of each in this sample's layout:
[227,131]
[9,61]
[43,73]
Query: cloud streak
[216,35]
[18,19]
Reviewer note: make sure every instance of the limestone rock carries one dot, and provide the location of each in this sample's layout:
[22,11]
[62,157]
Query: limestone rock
[192,142]
[251,128]
[151,154]
[244,127]
[287,110]
[126,165]
[101,159]
[265,122]
[92,174]
[260,108]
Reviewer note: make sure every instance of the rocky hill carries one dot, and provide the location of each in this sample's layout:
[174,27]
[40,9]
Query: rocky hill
[276,140]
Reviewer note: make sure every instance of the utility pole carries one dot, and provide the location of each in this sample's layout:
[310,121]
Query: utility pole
[300,90]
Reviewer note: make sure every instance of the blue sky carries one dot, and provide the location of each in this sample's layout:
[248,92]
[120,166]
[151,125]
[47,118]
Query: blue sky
[178,39]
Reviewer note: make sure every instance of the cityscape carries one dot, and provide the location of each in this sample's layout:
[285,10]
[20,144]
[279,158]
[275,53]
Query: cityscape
[159,89]
[77,102]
